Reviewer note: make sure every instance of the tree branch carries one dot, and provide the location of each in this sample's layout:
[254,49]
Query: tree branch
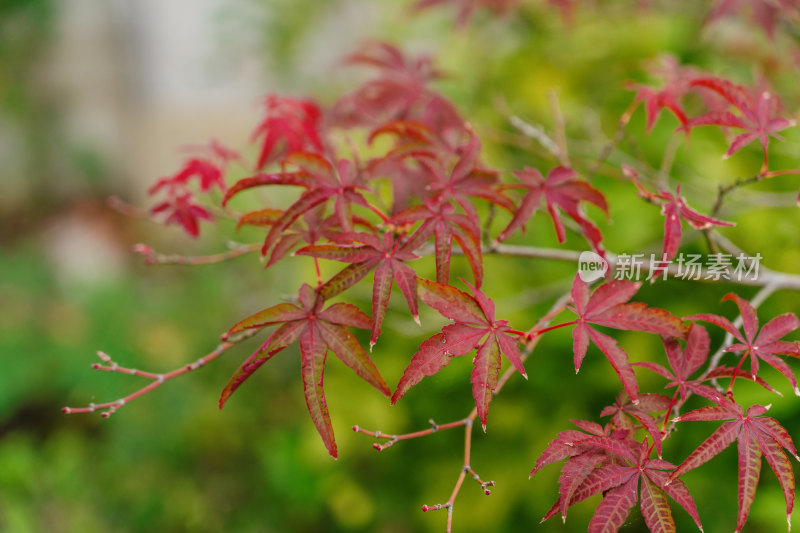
[156,380]
[151,257]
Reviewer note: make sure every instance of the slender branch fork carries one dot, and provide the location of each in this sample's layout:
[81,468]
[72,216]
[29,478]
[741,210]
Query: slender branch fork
[156,380]
[467,423]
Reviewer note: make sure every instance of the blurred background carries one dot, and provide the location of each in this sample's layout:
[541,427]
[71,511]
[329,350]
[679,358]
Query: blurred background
[98,99]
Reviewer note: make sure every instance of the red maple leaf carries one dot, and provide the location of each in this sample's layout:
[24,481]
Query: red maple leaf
[386,256]
[317,330]
[440,220]
[674,208]
[399,92]
[322,182]
[616,467]
[466,178]
[763,344]
[756,435]
[685,362]
[208,170]
[289,125]
[412,140]
[560,190]
[608,306]
[475,326]
[183,211]
[676,85]
[757,115]
[640,412]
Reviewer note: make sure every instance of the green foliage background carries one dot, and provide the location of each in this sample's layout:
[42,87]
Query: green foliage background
[172,461]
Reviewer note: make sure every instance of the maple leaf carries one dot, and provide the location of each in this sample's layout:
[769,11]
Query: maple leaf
[207,172]
[616,467]
[676,85]
[314,227]
[560,190]
[183,211]
[399,91]
[441,221]
[423,150]
[674,208]
[409,178]
[608,306]
[289,125]
[317,331]
[386,256]
[766,13]
[757,435]
[179,205]
[475,326]
[465,179]
[640,411]
[764,344]
[322,182]
[685,362]
[757,115]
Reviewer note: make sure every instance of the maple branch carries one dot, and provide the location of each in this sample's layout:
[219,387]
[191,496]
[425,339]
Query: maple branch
[151,257]
[537,133]
[465,469]
[467,422]
[156,380]
[406,436]
[619,135]
[124,208]
[561,135]
[766,276]
[724,190]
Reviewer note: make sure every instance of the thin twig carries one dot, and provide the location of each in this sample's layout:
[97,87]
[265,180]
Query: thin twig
[561,132]
[151,257]
[537,133]
[156,380]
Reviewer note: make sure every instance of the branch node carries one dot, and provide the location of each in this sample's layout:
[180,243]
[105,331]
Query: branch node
[437,507]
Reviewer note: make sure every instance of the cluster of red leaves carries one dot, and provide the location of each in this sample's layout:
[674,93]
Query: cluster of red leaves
[179,205]
[756,111]
[433,168]
[610,461]
[433,162]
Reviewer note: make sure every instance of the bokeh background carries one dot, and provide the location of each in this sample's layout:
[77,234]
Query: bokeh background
[97,99]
